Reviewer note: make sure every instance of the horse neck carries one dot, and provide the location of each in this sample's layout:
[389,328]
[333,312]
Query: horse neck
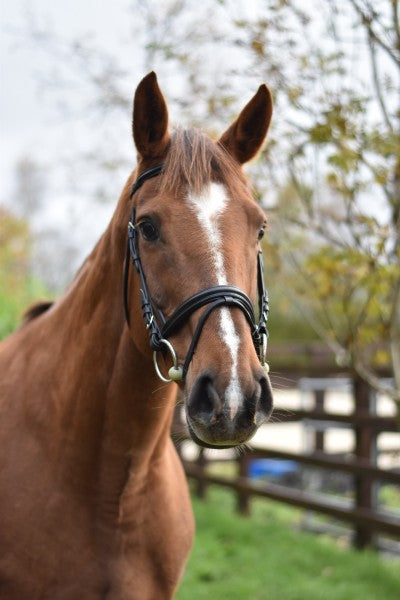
[114,410]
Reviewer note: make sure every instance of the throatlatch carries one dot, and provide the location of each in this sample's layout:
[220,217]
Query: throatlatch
[215,297]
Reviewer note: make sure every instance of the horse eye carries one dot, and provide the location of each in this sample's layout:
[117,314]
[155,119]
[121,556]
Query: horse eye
[261,233]
[149,230]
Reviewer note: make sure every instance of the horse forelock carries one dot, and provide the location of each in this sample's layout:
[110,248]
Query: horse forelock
[195,160]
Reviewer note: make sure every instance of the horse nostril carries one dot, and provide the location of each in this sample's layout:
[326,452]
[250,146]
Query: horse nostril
[204,403]
[265,399]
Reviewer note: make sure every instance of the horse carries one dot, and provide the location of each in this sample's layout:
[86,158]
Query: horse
[94,503]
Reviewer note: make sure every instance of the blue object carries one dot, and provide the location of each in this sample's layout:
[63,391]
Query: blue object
[273,467]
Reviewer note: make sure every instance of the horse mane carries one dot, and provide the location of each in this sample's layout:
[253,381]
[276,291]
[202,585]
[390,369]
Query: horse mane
[196,160]
[35,311]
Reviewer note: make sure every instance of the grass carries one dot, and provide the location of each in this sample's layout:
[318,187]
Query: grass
[14,303]
[389,496]
[264,557]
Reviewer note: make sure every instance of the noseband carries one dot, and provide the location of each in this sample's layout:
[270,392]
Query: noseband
[212,297]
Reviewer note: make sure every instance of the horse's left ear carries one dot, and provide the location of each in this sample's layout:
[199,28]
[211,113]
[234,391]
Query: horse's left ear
[150,119]
[246,135]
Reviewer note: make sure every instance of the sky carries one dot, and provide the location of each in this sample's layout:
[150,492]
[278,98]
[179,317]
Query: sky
[29,123]
[24,112]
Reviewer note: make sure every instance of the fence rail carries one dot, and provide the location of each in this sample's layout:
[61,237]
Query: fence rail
[376,423]
[273,491]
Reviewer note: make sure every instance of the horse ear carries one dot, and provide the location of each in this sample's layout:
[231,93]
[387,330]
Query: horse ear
[150,119]
[245,136]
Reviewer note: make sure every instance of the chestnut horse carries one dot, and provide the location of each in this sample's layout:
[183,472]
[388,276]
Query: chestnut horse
[94,502]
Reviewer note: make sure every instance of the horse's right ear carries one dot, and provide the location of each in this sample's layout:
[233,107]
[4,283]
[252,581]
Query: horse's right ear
[150,119]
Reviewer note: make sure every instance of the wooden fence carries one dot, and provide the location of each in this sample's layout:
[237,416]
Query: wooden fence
[366,517]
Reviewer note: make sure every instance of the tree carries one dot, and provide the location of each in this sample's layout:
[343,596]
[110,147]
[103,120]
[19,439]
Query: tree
[29,189]
[18,287]
[353,267]
[29,205]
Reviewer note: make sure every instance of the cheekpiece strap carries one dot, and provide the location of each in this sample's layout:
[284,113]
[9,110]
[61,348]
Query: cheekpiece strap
[263,301]
[132,253]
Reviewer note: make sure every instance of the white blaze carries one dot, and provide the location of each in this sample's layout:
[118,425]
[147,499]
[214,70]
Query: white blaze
[209,205]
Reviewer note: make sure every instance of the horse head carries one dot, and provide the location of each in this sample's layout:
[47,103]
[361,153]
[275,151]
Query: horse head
[194,236]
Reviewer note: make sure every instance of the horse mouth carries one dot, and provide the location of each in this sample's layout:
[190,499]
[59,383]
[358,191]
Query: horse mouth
[214,444]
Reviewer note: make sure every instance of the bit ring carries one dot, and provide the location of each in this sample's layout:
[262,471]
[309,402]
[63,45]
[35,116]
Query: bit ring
[175,372]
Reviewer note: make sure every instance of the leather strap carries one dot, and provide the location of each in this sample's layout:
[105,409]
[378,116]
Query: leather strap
[227,295]
[147,308]
[153,172]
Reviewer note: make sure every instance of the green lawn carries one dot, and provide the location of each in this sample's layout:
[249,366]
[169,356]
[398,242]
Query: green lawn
[265,557]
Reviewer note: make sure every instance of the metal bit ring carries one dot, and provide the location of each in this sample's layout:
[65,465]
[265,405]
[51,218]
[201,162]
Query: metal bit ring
[175,372]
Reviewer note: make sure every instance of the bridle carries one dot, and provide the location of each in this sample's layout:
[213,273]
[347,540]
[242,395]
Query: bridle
[212,297]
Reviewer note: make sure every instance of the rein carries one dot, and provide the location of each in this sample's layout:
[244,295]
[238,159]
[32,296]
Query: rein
[212,297]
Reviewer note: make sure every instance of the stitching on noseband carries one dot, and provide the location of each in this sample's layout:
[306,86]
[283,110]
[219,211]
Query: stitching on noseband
[215,297]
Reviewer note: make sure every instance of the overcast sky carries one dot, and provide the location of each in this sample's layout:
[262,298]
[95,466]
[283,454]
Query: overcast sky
[30,125]
[27,121]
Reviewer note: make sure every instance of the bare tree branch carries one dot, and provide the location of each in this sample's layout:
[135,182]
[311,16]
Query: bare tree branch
[377,84]
[396,22]
[366,20]
[375,381]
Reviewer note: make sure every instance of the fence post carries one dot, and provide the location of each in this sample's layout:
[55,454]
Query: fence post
[201,485]
[319,435]
[243,498]
[365,450]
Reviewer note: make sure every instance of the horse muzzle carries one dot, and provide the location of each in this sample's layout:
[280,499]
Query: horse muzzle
[224,415]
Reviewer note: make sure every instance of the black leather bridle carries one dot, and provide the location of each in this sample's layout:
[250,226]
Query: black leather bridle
[212,297]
